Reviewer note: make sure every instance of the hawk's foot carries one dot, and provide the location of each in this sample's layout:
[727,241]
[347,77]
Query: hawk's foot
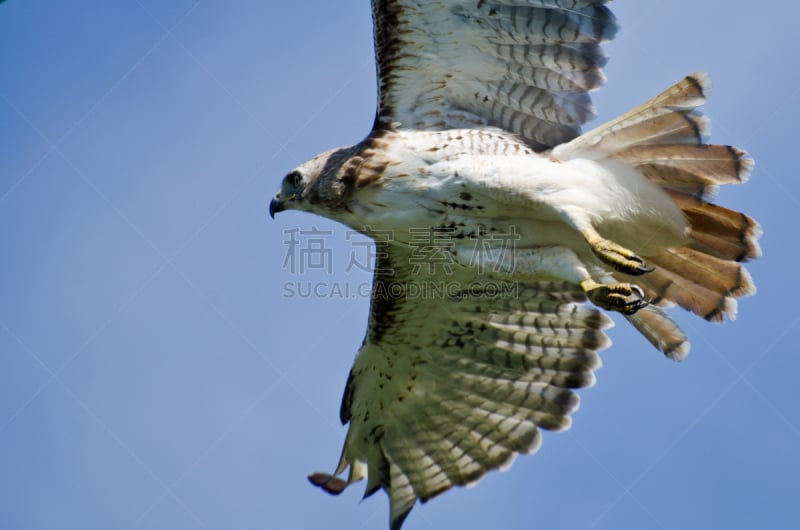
[624,298]
[619,257]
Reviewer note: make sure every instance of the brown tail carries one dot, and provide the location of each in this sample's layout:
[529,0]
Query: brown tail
[665,140]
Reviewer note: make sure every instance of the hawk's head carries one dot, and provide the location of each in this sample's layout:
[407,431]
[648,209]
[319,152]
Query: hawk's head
[321,185]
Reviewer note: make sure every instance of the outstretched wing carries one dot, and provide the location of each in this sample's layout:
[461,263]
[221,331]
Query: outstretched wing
[457,374]
[525,66]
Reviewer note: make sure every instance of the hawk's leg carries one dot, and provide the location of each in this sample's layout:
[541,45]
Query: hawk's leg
[559,263]
[619,257]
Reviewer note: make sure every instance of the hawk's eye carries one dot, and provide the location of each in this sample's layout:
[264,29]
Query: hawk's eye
[295,179]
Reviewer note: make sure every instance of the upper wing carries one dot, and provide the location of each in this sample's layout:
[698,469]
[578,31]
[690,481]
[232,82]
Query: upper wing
[522,65]
[456,376]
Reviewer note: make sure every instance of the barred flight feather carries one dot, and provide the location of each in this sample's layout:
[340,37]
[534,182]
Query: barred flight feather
[471,389]
[551,47]
[542,25]
[576,60]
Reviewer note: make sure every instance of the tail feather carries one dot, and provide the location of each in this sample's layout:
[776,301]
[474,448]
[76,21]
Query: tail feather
[665,140]
[719,231]
[701,283]
[665,287]
[662,332]
[669,118]
[695,170]
[718,275]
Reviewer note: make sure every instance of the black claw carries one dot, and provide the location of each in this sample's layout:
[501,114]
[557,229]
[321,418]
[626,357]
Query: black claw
[642,268]
[641,304]
[636,305]
[632,308]
[638,291]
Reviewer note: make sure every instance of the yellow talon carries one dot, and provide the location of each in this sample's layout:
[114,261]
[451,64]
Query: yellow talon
[619,257]
[624,298]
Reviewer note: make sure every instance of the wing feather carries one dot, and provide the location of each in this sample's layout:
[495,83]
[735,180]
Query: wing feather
[446,389]
[524,66]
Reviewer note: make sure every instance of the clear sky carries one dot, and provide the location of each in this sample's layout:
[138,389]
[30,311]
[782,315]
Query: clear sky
[156,374]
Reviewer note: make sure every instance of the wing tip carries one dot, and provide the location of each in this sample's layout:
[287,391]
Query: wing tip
[327,482]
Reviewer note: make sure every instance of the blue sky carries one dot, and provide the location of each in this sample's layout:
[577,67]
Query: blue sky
[153,372]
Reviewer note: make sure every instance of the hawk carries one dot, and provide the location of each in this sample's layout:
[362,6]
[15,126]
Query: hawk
[476,138]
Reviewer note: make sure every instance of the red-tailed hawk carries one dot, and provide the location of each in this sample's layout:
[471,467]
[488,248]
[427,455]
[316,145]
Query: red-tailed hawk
[476,141]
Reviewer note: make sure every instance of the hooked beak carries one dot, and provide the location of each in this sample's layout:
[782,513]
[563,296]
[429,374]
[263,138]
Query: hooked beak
[275,206]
